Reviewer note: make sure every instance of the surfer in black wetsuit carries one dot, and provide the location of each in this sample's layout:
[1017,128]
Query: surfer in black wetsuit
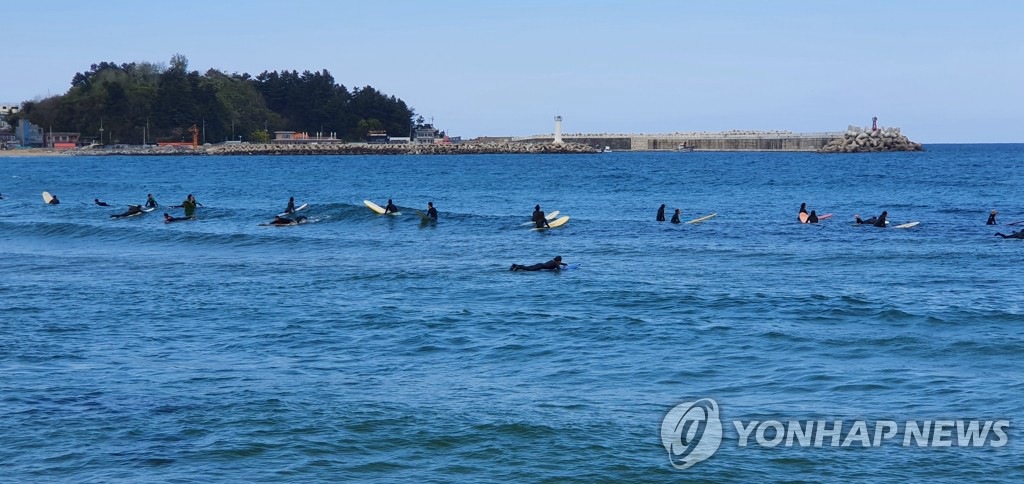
[150,201]
[872,220]
[291,205]
[812,218]
[132,210]
[803,210]
[881,219]
[53,200]
[675,217]
[1017,234]
[391,208]
[991,218]
[431,211]
[98,202]
[661,213]
[551,265]
[538,218]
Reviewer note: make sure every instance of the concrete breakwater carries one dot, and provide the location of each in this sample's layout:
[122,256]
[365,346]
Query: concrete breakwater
[858,140]
[698,141]
[343,149]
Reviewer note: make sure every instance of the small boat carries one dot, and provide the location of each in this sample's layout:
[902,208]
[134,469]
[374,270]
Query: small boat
[684,147]
[607,149]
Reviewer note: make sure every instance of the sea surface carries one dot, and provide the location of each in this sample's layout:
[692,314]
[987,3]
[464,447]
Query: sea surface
[360,347]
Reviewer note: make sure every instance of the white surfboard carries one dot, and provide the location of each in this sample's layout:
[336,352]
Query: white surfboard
[701,219]
[47,197]
[378,209]
[555,224]
[907,225]
[551,216]
[297,209]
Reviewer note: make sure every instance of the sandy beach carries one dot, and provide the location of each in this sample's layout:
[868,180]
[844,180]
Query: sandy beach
[25,152]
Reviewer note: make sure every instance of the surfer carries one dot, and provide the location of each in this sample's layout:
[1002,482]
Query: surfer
[812,218]
[102,204]
[661,213]
[675,217]
[279,220]
[803,211]
[538,217]
[1017,234]
[880,222]
[189,204]
[870,221]
[291,205]
[431,211]
[53,200]
[194,202]
[991,218]
[551,265]
[132,210]
[391,208]
[150,201]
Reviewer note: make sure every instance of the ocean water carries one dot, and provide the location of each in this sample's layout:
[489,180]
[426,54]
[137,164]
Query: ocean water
[359,347]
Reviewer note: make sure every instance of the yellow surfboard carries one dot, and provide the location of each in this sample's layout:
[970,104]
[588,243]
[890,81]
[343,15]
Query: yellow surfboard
[373,206]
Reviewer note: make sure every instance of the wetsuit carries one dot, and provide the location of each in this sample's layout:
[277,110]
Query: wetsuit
[102,204]
[432,213]
[1016,235]
[812,218]
[870,221]
[551,265]
[881,220]
[150,202]
[132,210]
[190,208]
[538,219]
[391,208]
[675,218]
[661,213]
[54,201]
[291,206]
[991,219]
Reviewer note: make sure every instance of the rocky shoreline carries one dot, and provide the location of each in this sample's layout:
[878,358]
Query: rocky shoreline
[341,149]
[858,140]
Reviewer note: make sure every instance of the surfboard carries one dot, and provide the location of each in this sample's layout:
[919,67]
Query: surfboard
[377,208]
[555,224]
[701,219]
[802,217]
[297,209]
[907,225]
[551,216]
[824,217]
[47,197]
[1016,223]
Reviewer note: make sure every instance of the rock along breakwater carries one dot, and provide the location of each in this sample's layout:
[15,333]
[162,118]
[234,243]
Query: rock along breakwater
[859,140]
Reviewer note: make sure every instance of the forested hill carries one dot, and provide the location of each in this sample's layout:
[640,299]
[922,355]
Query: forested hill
[126,98]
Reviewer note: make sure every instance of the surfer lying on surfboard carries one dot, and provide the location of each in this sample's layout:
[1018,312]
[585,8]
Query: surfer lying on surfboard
[132,210]
[1017,234]
[878,221]
[279,220]
[551,265]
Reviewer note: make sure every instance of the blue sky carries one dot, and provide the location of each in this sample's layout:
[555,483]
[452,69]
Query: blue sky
[943,71]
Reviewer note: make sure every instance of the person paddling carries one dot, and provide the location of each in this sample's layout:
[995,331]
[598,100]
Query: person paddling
[551,265]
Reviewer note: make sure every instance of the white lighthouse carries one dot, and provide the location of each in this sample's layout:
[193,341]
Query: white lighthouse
[558,130]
